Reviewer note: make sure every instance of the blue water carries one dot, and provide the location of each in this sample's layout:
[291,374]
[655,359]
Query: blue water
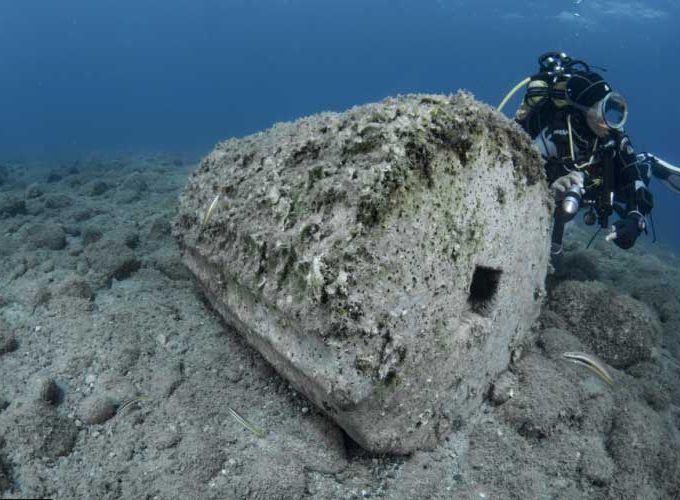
[180,75]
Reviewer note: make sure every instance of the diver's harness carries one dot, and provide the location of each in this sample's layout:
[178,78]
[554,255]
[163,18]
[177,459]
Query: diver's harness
[599,200]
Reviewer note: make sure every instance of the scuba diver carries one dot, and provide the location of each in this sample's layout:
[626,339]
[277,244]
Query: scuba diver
[576,120]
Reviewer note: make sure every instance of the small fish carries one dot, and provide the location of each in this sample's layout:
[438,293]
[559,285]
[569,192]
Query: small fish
[251,427]
[590,362]
[129,402]
[211,209]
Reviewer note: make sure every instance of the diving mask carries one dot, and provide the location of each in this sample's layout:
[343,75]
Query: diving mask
[608,113]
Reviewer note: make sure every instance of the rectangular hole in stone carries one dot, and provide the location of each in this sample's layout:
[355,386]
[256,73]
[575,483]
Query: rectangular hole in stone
[483,289]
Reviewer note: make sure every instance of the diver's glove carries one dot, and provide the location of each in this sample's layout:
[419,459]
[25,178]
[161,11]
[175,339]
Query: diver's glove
[638,195]
[625,231]
[566,182]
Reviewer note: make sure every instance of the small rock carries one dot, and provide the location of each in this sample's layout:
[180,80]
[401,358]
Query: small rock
[129,237]
[45,389]
[47,236]
[111,260]
[675,415]
[503,388]
[8,342]
[41,297]
[75,181]
[135,183]
[33,191]
[127,196]
[77,288]
[82,267]
[125,358]
[54,176]
[623,334]
[35,208]
[75,250]
[82,215]
[91,235]
[58,201]
[5,174]
[72,230]
[547,399]
[97,409]
[8,247]
[47,266]
[160,229]
[4,478]
[11,206]
[595,464]
[166,379]
[35,428]
[172,267]
[18,271]
[167,439]
[98,188]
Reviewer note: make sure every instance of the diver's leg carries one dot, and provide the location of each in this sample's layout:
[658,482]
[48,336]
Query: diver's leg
[556,253]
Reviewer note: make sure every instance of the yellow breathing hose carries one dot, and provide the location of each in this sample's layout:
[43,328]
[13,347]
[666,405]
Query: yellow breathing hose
[513,92]
[571,139]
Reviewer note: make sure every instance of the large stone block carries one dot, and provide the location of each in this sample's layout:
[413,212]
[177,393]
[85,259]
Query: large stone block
[386,260]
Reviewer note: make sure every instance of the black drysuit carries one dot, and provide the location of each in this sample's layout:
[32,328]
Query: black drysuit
[615,178]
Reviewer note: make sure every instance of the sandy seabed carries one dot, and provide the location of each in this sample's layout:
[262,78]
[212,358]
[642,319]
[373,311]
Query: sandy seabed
[117,379]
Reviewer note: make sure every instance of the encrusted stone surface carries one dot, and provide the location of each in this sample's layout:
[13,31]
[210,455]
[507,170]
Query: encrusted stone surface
[386,260]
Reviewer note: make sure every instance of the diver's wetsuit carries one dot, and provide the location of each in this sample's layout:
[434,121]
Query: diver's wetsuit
[626,177]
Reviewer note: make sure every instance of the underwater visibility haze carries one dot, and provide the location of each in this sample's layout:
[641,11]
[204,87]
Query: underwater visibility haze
[181,75]
[107,341]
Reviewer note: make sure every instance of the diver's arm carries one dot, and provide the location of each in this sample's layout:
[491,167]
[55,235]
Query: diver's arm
[632,179]
[626,230]
[631,190]
[664,171]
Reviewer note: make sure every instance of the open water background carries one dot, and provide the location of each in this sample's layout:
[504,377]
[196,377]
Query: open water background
[180,75]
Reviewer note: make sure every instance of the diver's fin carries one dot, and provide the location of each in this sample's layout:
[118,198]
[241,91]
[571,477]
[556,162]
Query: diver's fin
[666,173]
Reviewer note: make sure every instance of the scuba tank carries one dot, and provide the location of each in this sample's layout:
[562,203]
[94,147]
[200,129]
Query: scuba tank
[550,82]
